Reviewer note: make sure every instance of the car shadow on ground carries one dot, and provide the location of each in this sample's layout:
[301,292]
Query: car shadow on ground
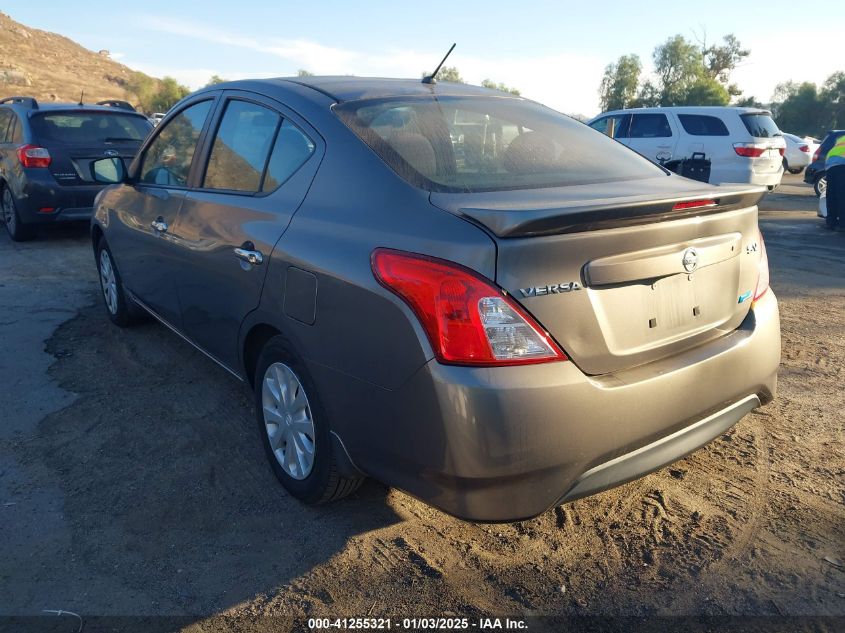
[164,482]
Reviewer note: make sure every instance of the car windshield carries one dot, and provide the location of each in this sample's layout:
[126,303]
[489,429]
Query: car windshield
[469,144]
[84,128]
[760,125]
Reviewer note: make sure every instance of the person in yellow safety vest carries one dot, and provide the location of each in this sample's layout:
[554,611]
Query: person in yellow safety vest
[834,166]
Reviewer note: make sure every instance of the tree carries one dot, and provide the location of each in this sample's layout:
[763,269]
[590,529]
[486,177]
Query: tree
[170,91]
[719,61]
[706,91]
[833,95]
[806,109]
[145,87]
[489,83]
[749,102]
[215,79]
[304,73]
[679,65]
[619,85]
[447,73]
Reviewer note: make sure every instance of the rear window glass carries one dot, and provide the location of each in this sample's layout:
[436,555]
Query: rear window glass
[467,144]
[702,125]
[760,125]
[82,128]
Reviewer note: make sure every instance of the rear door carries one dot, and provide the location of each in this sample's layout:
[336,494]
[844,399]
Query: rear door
[261,161]
[708,133]
[652,135]
[142,236]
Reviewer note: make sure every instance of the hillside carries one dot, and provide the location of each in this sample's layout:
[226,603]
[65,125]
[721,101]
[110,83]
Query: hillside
[51,67]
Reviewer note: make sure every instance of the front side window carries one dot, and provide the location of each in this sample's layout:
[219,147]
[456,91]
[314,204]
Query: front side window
[167,160]
[480,143]
[614,126]
[703,125]
[89,128]
[650,126]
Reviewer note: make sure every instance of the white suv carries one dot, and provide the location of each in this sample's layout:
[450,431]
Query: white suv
[743,144]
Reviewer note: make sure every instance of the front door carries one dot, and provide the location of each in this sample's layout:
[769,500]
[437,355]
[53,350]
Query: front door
[259,167]
[148,207]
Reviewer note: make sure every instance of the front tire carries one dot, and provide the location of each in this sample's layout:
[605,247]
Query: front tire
[119,308]
[294,428]
[17,230]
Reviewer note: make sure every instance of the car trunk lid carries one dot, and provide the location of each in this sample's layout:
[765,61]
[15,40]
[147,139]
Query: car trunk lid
[621,274]
[71,164]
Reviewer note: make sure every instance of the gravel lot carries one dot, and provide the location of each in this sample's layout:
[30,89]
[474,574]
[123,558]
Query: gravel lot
[132,482]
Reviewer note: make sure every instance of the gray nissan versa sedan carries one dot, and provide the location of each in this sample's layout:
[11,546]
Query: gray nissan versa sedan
[456,291]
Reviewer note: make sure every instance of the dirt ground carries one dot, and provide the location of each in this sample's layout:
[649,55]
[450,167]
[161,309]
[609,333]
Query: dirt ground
[145,491]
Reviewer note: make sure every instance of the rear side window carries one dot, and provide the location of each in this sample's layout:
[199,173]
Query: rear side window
[241,147]
[89,128]
[480,143]
[703,125]
[5,120]
[15,131]
[167,160]
[291,150]
[760,125]
[650,126]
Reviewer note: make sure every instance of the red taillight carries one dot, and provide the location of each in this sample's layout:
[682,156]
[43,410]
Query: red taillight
[804,148]
[468,320]
[782,151]
[748,150]
[34,156]
[816,154]
[694,204]
[762,272]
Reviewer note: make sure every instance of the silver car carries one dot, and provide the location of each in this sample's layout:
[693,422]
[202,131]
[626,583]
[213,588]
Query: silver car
[458,292]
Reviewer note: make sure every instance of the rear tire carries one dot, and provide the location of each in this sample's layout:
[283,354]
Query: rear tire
[119,307]
[17,230]
[294,428]
[820,186]
[794,171]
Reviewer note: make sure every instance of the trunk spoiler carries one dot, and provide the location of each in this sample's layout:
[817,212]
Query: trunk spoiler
[527,213]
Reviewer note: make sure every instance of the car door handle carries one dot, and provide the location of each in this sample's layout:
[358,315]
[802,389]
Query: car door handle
[159,225]
[249,255]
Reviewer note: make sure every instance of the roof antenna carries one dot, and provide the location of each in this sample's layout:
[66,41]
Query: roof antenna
[430,79]
[81,94]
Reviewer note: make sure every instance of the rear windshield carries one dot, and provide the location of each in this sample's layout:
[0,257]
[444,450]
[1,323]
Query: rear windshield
[468,144]
[760,125]
[83,128]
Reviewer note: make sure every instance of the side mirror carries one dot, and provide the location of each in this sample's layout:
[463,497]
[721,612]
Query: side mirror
[108,170]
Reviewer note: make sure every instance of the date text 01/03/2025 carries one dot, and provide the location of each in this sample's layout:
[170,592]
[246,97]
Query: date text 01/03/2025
[416,624]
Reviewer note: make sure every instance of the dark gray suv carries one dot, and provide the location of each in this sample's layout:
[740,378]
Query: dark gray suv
[456,291]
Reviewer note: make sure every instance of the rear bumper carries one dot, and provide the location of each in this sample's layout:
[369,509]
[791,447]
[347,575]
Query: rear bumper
[508,443]
[811,174]
[40,192]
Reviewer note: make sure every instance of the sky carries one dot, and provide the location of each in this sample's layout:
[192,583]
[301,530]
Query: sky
[553,52]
